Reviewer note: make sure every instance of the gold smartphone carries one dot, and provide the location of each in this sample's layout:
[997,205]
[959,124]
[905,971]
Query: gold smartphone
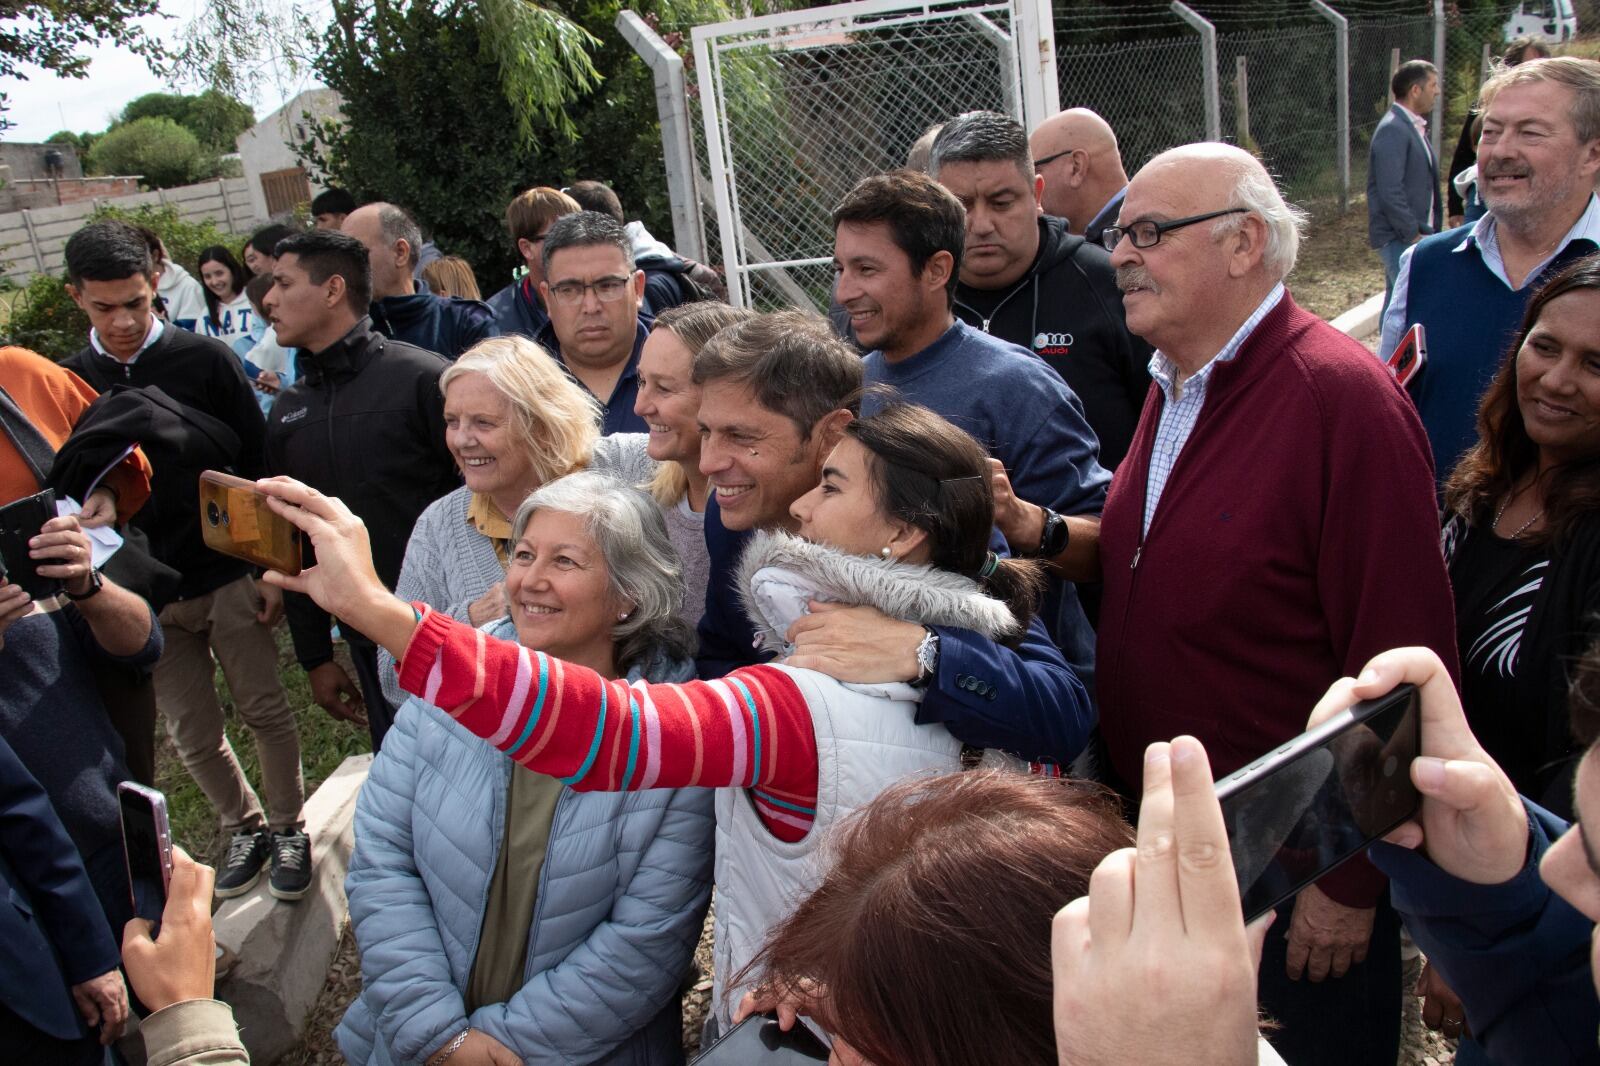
[235,520]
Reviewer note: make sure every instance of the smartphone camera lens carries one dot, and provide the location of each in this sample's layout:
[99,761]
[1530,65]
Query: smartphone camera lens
[213,512]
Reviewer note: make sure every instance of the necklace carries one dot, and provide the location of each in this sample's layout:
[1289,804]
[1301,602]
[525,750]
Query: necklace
[1520,529]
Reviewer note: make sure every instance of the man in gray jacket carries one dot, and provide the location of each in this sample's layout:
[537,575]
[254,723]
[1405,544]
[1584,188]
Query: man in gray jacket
[1402,174]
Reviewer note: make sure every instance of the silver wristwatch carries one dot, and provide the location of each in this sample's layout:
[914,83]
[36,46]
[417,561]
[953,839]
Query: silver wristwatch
[927,659]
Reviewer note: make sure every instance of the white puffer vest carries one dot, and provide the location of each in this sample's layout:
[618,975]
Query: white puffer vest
[867,738]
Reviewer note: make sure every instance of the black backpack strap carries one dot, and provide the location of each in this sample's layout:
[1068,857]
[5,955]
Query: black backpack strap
[35,448]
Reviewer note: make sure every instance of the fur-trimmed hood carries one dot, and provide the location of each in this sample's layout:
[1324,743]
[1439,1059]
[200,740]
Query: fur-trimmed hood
[779,573]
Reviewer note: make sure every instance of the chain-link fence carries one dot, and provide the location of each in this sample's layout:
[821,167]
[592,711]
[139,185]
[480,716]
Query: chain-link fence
[805,114]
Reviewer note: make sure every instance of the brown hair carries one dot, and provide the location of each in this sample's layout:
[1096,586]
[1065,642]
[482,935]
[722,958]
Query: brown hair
[924,218]
[533,210]
[930,932]
[929,474]
[1489,470]
[791,361]
[453,275]
[694,324]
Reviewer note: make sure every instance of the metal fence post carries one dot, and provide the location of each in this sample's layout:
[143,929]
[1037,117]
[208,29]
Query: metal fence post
[1241,101]
[1036,53]
[1437,133]
[1341,36]
[1005,49]
[1208,60]
[677,145]
[33,240]
[712,108]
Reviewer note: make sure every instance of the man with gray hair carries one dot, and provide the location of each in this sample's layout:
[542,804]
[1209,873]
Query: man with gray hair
[594,292]
[1272,528]
[1025,279]
[443,325]
[1538,157]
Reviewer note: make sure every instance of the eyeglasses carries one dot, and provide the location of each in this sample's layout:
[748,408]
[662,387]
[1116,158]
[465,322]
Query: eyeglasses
[1147,234]
[1037,163]
[571,293]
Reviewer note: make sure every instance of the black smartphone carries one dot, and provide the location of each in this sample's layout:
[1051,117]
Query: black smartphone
[1301,810]
[147,843]
[758,1039]
[20,522]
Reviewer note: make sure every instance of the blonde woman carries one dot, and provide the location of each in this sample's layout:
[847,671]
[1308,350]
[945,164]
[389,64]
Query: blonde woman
[514,421]
[669,402]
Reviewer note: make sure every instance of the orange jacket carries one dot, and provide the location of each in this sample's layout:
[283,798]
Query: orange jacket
[54,398]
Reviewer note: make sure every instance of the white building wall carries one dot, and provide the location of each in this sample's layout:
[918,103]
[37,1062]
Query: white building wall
[264,147]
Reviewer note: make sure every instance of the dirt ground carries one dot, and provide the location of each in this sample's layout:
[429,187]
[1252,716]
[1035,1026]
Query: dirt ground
[1336,271]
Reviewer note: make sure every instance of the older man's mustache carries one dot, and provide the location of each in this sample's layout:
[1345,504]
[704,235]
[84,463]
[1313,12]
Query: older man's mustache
[1130,278]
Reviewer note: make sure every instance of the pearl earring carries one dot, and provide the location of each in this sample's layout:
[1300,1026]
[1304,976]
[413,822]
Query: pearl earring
[622,616]
[754,452]
[886,552]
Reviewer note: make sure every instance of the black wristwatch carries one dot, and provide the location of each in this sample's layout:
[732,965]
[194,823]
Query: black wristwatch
[95,585]
[1053,540]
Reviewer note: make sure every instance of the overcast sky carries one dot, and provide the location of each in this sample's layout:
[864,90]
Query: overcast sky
[44,103]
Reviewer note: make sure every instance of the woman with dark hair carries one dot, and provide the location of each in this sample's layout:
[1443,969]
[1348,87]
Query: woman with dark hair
[928,939]
[901,521]
[229,316]
[1523,538]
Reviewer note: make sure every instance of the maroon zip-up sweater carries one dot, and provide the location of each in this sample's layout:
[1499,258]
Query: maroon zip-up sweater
[1297,536]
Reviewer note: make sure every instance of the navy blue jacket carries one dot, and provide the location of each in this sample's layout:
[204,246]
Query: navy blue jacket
[53,932]
[618,407]
[1517,954]
[443,325]
[1028,702]
[517,311]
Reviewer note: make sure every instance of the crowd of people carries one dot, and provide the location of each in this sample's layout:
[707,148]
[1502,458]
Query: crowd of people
[918,632]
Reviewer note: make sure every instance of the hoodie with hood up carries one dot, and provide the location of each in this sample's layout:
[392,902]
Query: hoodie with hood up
[1067,310]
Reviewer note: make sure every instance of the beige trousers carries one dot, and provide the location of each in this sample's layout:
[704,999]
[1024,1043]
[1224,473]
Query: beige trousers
[224,623]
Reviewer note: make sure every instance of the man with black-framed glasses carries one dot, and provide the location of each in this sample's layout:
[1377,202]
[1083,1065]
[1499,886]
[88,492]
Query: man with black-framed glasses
[593,293]
[1076,154]
[1271,529]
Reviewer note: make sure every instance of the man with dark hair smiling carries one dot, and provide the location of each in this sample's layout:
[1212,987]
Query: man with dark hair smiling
[1025,279]
[365,422]
[898,244]
[219,611]
[594,293]
[776,393]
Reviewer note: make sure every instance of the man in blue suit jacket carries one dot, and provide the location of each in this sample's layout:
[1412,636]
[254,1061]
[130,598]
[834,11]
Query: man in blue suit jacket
[58,957]
[1402,175]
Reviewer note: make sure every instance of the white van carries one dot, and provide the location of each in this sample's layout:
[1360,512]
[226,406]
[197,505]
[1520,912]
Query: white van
[1547,20]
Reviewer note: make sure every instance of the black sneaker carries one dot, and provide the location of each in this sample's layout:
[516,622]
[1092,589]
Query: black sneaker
[241,868]
[291,865]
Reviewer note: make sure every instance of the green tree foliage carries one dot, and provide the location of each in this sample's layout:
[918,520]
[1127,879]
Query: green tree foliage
[162,151]
[444,116]
[53,34]
[215,118]
[44,318]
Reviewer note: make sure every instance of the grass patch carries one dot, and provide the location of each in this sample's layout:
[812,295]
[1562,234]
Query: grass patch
[324,744]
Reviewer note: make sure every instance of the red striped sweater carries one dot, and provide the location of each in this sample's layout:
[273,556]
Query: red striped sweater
[751,729]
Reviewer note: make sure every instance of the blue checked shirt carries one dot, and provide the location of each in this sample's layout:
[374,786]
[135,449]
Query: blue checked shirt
[1181,411]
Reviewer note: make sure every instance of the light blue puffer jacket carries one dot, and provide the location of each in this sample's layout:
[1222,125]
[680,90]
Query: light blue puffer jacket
[622,896]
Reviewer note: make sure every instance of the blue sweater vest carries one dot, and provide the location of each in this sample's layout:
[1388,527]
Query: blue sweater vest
[1471,319]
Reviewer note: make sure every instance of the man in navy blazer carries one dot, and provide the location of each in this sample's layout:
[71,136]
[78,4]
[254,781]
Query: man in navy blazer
[58,957]
[1402,174]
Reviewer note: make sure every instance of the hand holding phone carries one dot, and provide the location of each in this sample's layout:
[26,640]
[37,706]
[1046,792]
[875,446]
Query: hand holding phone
[20,521]
[1470,816]
[147,845]
[180,964]
[758,1040]
[1299,811]
[235,520]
